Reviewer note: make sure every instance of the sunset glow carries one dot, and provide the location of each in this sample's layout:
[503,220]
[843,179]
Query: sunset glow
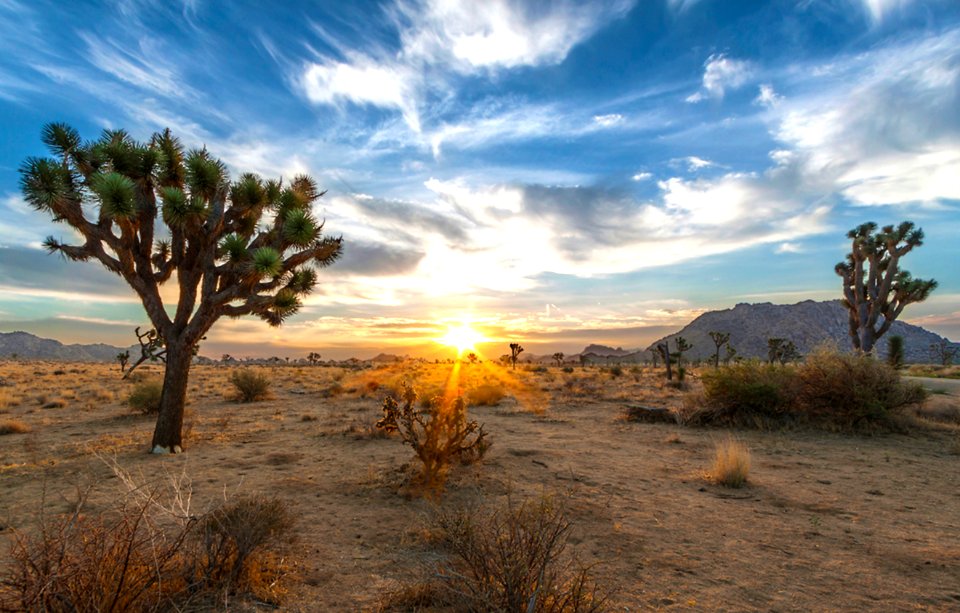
[463,338]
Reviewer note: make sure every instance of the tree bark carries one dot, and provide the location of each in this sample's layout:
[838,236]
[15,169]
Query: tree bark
[167,436]
[867,339]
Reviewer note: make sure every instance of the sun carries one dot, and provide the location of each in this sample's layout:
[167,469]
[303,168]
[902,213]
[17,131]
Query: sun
[463,338]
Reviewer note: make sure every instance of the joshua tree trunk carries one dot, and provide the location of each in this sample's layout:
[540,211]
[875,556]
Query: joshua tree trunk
[167,437]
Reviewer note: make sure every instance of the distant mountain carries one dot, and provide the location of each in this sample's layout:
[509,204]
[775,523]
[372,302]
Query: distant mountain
[806,323]
[30,347]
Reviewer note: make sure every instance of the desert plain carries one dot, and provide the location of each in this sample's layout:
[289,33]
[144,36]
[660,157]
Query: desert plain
[827,521]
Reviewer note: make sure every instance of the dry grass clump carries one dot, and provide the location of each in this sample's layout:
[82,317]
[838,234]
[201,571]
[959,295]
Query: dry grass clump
[486,395]
[731,464]
[147,555]
[145,396]
[14,426]
[510,558]
[439,433]
[54,403]
[829,389]
[250,385]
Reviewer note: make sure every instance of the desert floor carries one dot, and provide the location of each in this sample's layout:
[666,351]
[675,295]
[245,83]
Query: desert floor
[827,521]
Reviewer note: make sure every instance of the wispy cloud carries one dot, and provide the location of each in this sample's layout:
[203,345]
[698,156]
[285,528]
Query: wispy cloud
[720,74]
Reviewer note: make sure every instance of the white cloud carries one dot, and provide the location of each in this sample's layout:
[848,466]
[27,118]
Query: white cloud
[439,39]
[878,9]
[609,120]
[696,163]
[720,74]
[884,128]
[642,176]
[364,82]
[767,96]
[788,248]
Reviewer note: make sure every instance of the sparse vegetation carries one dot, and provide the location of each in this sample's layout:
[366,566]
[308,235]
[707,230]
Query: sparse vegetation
[486,395]
[438,434]
[145,396]
[13,426]
[731,464]
[895,352]
[250,385]
[830,389]
[509,558]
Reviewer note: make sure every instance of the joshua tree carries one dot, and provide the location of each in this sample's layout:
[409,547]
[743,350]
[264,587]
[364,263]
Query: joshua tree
[313,357]
[558,358]
[944,352]
[111,191]
[472,357]
[226,358]
[895,351]
[719,339]
[730,354]
[873,284]
[515,350]
[664,350]
[123,357]
[781,350]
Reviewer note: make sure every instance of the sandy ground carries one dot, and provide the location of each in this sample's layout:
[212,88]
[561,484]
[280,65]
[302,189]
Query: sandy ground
[828,521]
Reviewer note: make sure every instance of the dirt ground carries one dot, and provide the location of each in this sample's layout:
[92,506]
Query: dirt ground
[827,521]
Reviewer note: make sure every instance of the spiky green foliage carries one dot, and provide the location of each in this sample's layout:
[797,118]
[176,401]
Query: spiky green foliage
[875,289]
[895,351]
[116,192]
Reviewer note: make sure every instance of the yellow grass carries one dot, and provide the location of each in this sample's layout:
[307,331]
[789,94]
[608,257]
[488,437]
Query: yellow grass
[731,463]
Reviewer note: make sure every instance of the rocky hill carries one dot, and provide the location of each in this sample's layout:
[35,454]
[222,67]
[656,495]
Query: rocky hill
[806,323]
[29,347]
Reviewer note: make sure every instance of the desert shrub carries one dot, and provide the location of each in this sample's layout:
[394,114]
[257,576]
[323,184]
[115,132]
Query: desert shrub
[438,434]
[731,464]
[486,395]
[748,393]
[140,556]
[616,371]
[145,396]
[13,426]
[513,558]
[250,385]
[850,390]
[829,389]
[567,369]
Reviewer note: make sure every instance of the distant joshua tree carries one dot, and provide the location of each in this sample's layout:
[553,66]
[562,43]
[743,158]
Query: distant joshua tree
[472,357]
[681,345]
[235,248]
[664,350]
[719,339]
[226,358]
[781,350]
[123,357]
[313,357]
[730,355]
[943,352]
[874,287]
[558,358]
[895,351]
[515,350]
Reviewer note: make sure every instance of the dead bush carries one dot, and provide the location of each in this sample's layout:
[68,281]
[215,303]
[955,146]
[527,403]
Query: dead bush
[250,385]
[486,395]
[439,434]
[149,554]
[13,426]
[513,558]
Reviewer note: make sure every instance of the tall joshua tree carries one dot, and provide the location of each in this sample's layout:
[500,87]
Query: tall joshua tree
[874,286]
[151,212]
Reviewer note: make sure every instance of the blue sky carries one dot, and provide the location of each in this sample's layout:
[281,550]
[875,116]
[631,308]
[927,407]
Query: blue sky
[554,171]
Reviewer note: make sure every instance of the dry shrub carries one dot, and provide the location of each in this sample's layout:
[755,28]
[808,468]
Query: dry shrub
[147,555]
[14,426]
[439,434]
[145,396]
[250,385]
[55,403]
[513,558]
[848,390]
[486,395]
[829,389]
[731,465]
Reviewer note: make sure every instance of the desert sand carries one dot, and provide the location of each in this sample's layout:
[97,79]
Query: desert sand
[827,521]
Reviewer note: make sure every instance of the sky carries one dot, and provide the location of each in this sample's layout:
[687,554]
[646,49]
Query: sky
[553,172]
